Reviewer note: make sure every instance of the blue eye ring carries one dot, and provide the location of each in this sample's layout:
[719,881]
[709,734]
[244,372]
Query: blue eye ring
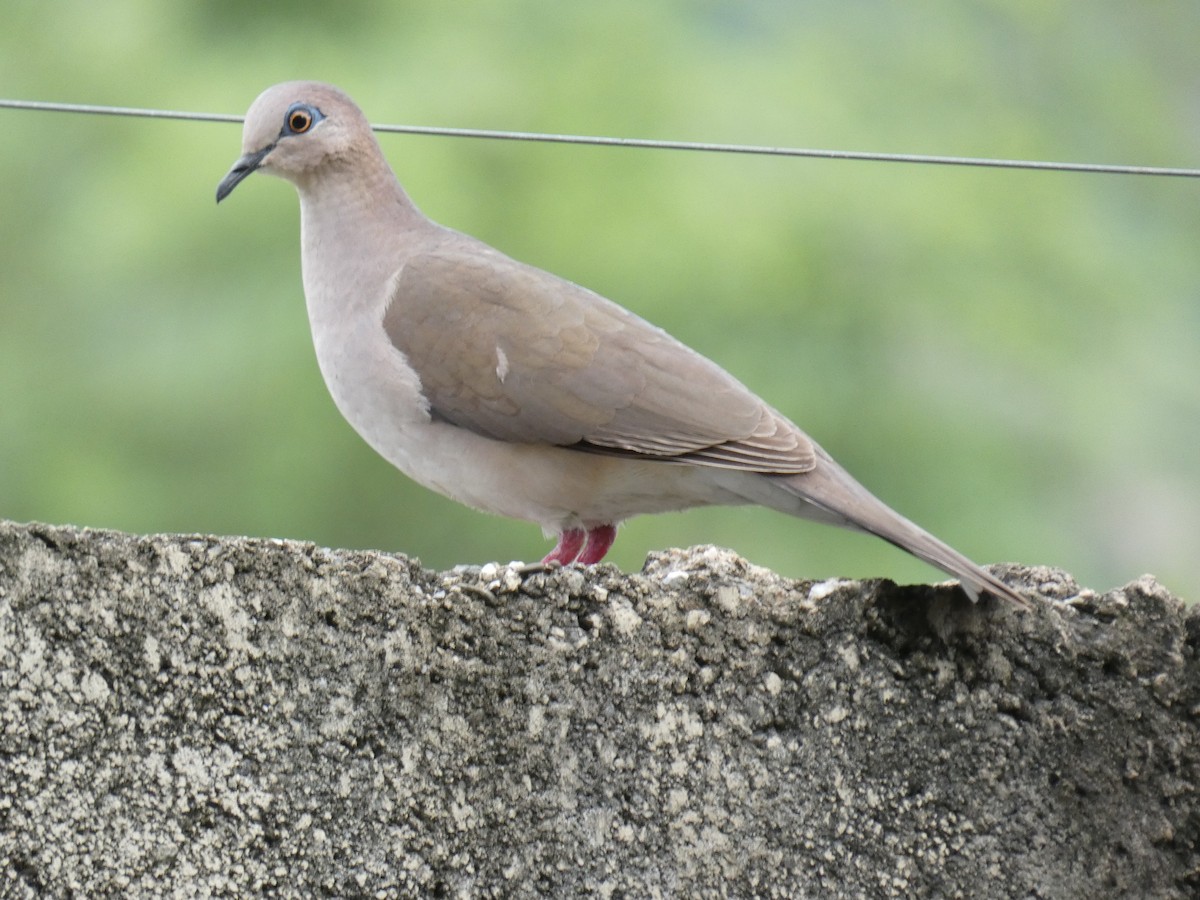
[300,118]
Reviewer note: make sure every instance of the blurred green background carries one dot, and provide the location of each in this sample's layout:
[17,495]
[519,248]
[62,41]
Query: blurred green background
[1009,358]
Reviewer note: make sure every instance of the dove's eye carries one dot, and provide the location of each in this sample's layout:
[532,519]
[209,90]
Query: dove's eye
[300,118]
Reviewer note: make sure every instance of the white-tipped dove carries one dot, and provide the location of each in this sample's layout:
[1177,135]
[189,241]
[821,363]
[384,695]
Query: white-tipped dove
[514,391]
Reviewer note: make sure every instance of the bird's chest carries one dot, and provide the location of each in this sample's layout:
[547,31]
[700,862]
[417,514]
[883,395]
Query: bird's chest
[368,379]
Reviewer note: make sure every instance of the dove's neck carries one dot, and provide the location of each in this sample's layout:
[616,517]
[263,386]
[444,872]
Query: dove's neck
[357,229]
[357,225]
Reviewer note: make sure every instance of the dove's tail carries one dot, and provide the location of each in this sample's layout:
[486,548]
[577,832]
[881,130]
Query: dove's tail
[832,495]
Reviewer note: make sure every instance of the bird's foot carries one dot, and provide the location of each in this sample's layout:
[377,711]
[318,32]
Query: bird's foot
[586,548]
[570,542]
[599,539]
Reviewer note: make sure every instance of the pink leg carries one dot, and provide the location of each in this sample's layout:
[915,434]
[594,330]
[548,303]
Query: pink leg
[599,539]
[569,544]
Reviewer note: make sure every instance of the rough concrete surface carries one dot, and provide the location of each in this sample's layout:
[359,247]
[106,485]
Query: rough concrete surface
[193,716]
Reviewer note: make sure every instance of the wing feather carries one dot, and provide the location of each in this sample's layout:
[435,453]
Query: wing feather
[517,354]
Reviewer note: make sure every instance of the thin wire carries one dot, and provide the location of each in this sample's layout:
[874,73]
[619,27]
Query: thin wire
[119,111]
[645,143]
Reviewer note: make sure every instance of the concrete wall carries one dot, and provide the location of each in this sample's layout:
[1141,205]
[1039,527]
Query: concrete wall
[203,716]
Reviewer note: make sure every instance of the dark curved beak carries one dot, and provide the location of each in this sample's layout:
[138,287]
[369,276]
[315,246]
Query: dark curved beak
[240,170]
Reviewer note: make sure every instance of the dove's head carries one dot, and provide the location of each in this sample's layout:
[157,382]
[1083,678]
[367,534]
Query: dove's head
[297,130]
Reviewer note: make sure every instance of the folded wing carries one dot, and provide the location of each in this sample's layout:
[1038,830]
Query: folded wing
[517,354]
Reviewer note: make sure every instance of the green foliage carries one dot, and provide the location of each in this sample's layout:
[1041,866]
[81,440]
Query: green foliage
[1009,358]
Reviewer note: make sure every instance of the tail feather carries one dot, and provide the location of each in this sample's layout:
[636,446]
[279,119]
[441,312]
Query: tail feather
[838,497]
